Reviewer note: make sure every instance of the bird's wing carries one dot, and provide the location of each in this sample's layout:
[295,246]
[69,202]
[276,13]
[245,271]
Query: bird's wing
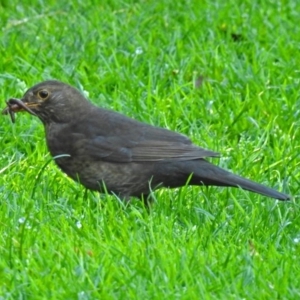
[165,150]
[127,140]
[119,149]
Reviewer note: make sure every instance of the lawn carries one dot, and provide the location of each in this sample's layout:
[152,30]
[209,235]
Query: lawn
[225,73]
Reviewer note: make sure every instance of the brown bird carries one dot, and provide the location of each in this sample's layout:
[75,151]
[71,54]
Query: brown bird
[107,151]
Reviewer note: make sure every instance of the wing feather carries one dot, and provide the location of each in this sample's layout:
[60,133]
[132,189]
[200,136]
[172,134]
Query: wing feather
[127,140]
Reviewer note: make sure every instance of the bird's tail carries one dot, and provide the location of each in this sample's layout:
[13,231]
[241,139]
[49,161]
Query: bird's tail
[208,174]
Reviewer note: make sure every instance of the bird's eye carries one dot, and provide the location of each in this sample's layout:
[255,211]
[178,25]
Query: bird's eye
[43,94]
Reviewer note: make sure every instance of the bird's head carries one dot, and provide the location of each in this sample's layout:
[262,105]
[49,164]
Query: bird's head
[51,101]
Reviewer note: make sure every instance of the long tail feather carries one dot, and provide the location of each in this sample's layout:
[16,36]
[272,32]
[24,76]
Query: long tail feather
[209,174]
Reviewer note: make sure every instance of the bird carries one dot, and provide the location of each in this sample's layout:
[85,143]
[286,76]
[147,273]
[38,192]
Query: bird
[109,152]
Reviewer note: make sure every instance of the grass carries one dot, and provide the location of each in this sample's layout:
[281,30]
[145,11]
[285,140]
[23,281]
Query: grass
[145,59]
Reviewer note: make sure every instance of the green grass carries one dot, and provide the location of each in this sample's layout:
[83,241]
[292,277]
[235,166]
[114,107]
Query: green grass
[143,58]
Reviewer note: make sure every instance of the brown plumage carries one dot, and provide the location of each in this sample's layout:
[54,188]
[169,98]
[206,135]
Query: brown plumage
[100,147]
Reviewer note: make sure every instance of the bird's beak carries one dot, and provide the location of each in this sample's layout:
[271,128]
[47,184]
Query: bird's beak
[15,105]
